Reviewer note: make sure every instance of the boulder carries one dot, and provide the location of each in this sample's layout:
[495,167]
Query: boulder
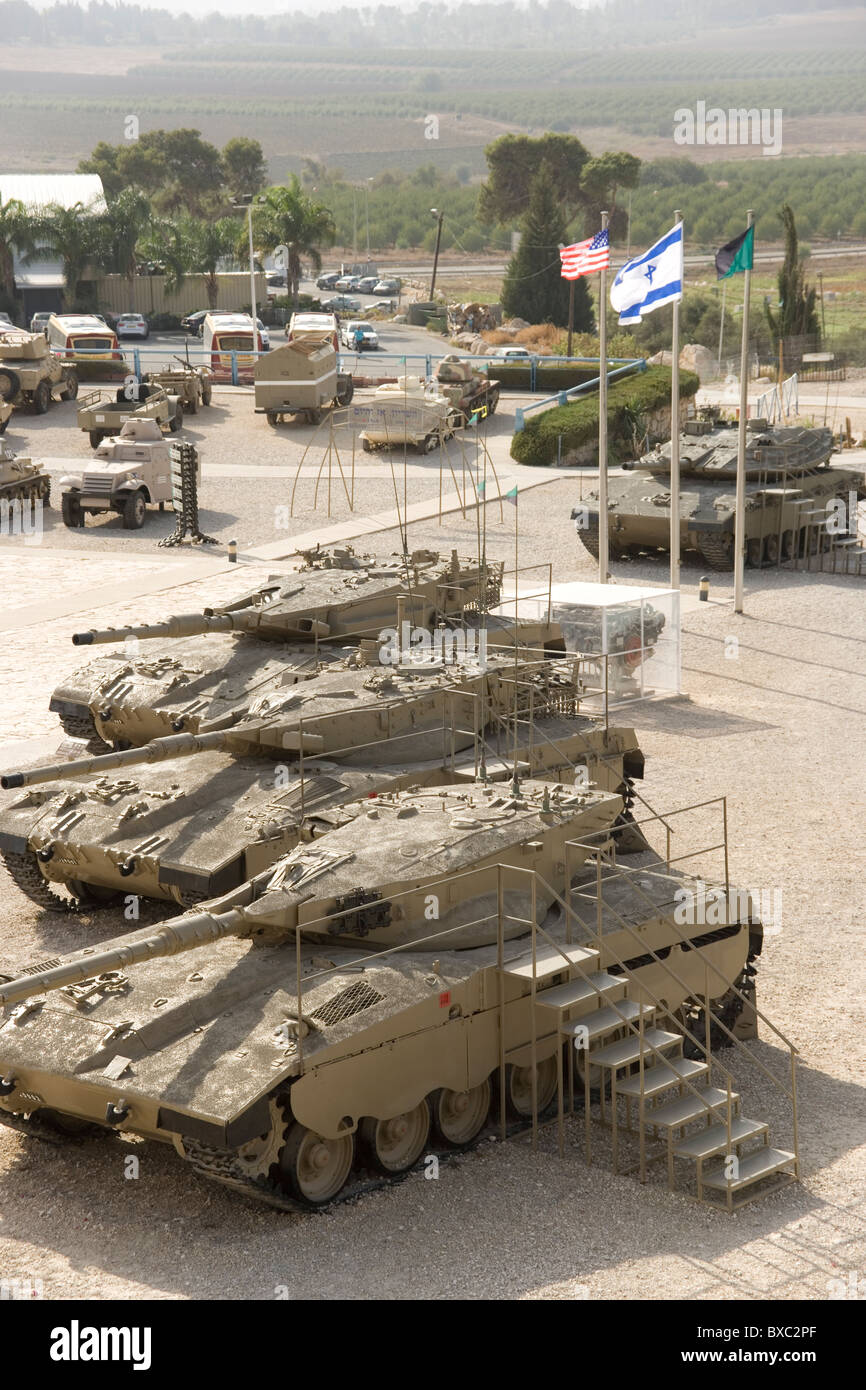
[695,358]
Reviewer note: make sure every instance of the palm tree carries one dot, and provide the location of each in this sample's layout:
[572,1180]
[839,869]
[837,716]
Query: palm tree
[208,243]
[285,216]
[71,234]
[165,246]
[118,232]
[17,231]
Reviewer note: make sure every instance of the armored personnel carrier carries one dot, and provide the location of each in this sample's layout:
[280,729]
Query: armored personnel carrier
[21,479]
[405,411]
[365,999]
[30,374]
[470,391]
[129,472]
[786,470]
[213,813]
[100,416]
[212,660]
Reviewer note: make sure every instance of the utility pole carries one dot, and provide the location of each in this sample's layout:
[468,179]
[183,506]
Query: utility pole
[740,506]
[823,324]
[246,200]
[603,518]
[675,440]
[436,213]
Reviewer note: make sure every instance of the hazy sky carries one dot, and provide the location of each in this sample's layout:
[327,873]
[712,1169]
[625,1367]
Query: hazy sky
[270,7]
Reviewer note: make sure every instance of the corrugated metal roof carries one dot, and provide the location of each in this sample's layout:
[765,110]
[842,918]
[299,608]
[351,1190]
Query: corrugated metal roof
[41,190]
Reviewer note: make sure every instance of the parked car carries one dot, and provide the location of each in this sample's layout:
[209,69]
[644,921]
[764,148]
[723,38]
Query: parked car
[7,322]
[132,326]
[328,281]
[386,287]
[264,335]
[520,354]
[39,322]
[193,322]
[367,284]
[341,304]
[346,283]
[369,337]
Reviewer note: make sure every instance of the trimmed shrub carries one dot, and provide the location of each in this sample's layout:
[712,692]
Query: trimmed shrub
[516,375]
[577,422]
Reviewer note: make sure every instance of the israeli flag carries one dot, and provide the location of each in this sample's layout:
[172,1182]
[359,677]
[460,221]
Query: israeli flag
[651,280]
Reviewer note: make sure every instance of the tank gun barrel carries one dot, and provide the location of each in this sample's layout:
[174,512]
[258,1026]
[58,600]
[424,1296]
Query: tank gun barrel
[184,934]
[181,625]
[173,746]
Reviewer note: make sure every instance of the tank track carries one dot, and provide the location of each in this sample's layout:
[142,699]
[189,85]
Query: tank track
[589,537]
[717,555]
[727,1009]
[81,726]
[629,837]
[37,1128]
[24,872]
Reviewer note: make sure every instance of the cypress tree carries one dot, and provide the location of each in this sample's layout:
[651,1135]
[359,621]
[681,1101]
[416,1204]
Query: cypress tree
[533,288]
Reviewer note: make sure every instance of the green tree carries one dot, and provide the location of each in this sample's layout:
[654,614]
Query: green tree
[513,162]
[285,215]
[72,235]
[533,288]
[193,170]
[797,313]
[164,245]
[245,169]
[206,244]
[16,234]
[118,231]
[600,181]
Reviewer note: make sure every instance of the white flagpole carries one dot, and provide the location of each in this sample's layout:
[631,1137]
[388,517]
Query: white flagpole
[740,509]
[675,438]
[602,420]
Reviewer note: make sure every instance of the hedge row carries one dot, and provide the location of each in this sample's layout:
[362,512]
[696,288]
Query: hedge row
[577,422]
[516,376]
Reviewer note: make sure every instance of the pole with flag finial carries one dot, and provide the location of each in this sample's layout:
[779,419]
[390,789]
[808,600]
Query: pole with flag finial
[675,440]
[740,507]
[602,420]
[511,497]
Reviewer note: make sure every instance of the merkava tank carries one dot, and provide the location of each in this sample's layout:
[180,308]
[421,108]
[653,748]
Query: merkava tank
[368,998]
[195,814]
[205,663]
[786,469]
[21,479]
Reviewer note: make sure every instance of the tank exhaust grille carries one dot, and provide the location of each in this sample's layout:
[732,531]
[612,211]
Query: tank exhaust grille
[352,1000]
[44,965]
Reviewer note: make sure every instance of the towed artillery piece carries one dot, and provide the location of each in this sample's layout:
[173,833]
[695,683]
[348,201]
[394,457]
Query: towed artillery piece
[786,471]
[30,374]
[198,813]
[21,479]
[470,391]
[100,417]
[230,651]
[193,386]
[363,1001]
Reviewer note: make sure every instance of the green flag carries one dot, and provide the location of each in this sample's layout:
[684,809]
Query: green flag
[736,255]
[512,496]
[481,488]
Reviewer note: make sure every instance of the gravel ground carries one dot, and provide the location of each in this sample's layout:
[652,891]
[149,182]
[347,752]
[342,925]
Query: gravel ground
[779,729]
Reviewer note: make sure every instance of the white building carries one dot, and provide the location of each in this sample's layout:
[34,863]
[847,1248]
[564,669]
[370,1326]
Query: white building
[39,281]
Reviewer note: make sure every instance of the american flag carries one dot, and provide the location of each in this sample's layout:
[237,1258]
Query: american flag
[585,257]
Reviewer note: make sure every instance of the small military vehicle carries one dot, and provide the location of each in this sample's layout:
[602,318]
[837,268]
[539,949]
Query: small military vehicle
[375,995]
[100,416]
[334,596]
[405,411]
[470,391]
[129,472]
[210,815]
[193,386]
[21,479]
[30,374]
[300,378]
[787,476]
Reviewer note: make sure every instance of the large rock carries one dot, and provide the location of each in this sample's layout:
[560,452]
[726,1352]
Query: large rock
[695,358]
[661,359]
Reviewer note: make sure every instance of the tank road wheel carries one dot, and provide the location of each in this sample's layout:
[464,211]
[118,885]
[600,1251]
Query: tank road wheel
[134,512]
[70,510]
[754,554]
[772,550]
[518,1088]
[10,384]
[70,390]
[95,437]
[395,1145]
[459,1116]
[258,1156]
[42,398]
[589,537]
[25,873]
[313,1169]
[718,551]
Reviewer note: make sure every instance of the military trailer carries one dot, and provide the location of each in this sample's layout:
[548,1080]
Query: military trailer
[405,411]
[129,472]
[788,481]
[30,374]
[300,378]
[100,416]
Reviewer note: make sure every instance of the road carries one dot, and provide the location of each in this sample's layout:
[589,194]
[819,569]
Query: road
[618,258]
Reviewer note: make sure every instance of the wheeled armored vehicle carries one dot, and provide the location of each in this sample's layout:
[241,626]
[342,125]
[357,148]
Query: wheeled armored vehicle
[101,417]
[30,374]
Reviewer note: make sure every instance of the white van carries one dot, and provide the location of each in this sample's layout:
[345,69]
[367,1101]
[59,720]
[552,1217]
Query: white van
[226,334]
[315,328]
[82,336]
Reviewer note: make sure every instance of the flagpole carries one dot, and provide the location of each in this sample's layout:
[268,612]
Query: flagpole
[740,510]
[515,783]
[602,420]
[570,316]
[675,438]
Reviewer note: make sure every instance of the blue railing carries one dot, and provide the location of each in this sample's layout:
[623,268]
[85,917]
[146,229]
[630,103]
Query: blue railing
[633,364]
